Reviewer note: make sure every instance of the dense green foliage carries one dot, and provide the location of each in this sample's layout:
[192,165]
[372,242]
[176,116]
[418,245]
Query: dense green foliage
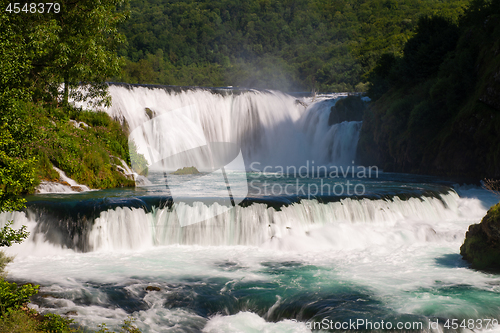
[13,297]
[75,46]
[39,52]
[17,172]
[186,171]
[17,166]
[438,106]
[289,45]
[137,161]
[350,108]
[28,321]
[9,235]
[86,154]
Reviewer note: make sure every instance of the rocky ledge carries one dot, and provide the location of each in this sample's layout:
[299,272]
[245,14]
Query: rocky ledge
[482,242]
[350,108]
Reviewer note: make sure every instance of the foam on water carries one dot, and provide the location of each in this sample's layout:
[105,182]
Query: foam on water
[303,226]
[254,268]
[250,322]
[401,255]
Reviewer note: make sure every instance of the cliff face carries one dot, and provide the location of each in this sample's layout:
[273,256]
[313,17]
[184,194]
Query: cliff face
[466,145]
[350,108]
[482,242]
[444,123]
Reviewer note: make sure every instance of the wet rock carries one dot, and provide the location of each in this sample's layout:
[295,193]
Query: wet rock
[78,124]
[150,113]
[152,288]
[299,102]
[77,188]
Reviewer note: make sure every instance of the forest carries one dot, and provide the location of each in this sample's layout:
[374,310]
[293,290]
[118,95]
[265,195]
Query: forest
[436,108]
[431,68]
[291,45]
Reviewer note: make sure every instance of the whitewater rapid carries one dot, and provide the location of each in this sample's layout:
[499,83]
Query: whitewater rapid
[306,225]
[271,264]
[392,250]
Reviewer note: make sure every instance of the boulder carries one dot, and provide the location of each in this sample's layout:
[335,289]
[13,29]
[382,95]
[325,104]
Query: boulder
[150,113]
[152,288]
[482,242]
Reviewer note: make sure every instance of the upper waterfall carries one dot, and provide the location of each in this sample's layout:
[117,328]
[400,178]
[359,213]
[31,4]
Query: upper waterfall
[270,127]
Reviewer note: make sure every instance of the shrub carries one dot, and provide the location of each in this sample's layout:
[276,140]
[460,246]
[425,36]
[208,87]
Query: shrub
[54,323]
[9,235]
[138,161]
[13,297]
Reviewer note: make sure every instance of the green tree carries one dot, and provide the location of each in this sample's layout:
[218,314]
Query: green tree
[17,173]
[79,48]
[426,50]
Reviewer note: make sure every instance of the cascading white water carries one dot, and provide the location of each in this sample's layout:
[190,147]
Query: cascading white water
[70,186]
[271,127]
[380,259]
[334,144]
[256,225]
[397,256]
[126,228]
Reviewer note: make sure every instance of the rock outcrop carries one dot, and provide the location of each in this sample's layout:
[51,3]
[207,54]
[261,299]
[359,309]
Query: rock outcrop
[482,242]
[152,288]
[186,171]
[350,108]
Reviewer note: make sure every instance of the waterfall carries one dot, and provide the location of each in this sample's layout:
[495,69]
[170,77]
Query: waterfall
[132,228]
[270,127]
[126,228]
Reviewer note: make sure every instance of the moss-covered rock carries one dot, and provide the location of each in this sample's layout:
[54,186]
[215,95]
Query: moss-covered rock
[482,242]
[186,171]
[152,288]
[350,108]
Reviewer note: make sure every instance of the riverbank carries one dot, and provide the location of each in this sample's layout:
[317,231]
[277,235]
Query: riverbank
[89,147]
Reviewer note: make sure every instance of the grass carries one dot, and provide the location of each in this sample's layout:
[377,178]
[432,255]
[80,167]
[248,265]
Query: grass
[29,321]
[19,322]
